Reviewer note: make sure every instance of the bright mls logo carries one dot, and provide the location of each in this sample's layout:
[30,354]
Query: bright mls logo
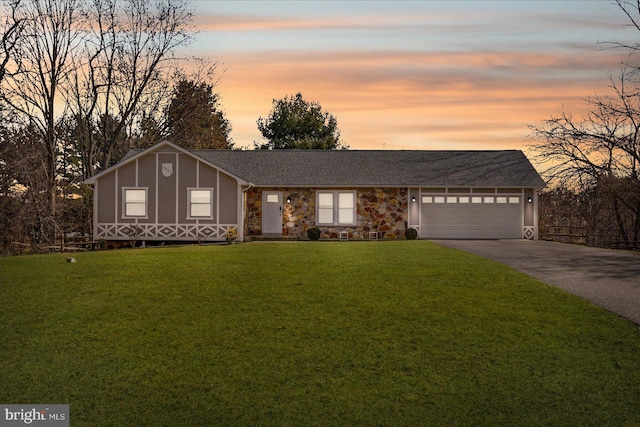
[167,169]
[37,415]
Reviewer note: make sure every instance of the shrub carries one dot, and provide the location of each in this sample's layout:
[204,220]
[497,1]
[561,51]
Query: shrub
[411,234]
[232,235]
[313,233]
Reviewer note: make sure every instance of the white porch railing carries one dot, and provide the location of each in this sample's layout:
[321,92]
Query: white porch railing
[162,231]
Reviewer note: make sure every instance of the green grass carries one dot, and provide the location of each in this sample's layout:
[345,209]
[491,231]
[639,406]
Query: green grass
[310,333]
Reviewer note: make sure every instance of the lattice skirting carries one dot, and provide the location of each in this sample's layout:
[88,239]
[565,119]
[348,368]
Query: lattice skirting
[529,233]
[163,231]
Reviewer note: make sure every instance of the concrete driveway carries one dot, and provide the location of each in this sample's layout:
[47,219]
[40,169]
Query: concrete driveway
[607,278]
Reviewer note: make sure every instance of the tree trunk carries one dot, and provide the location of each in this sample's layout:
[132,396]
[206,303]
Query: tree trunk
[621,227]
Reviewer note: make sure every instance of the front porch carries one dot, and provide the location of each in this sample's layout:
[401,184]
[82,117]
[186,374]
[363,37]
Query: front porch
[380,212]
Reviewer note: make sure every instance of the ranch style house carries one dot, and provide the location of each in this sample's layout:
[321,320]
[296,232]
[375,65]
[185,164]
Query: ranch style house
[168,193]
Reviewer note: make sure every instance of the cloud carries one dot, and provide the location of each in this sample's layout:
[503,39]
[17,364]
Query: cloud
[429,78]
[410,79]
[401,16]
[238,22]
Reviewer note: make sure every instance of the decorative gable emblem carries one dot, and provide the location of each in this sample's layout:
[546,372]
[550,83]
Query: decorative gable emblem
[167,169]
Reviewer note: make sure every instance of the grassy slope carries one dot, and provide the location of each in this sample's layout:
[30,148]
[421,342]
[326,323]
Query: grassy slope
[384,333]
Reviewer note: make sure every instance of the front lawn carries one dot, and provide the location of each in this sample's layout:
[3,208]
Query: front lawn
[308,333]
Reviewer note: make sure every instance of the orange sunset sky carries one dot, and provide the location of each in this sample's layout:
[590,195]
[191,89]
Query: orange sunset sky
[413,74]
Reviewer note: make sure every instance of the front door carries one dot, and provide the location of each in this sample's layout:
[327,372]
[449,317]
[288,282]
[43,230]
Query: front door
[272,212]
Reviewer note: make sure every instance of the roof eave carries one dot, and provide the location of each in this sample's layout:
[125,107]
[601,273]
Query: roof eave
[92,180]
[396,185]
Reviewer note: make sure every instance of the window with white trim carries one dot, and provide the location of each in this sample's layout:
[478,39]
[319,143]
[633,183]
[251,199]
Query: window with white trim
[200,202]
[346,208]
[325,208]
[336,208]
[134,202]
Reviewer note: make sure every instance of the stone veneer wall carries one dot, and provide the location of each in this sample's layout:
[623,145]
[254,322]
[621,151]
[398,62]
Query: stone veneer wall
[379,209]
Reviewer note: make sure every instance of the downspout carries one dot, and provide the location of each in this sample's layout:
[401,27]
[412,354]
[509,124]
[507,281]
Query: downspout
[244,209]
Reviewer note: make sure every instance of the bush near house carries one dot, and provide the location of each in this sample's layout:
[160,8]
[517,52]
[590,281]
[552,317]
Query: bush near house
[314,233]
[411,234]
[369,333]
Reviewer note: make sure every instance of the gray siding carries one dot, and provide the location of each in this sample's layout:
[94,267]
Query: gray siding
[188,176]
[228,199]
[147,178]
[126,177]
[106,200]
[167,199]
[528,208]
[414,207]
[209,178]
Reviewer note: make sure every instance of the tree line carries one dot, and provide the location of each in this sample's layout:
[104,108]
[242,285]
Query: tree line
[81,83]
[84,81]
[592,162]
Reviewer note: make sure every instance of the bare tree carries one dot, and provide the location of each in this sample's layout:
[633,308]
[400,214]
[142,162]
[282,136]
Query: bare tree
[39,68]
[580,150]
[23,194]
[128,59]
[599,155]
[95,65]
[11,29]
[632,11]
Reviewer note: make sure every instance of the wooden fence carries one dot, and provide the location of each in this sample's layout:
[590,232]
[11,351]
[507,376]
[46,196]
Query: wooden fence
[565,234]
[581,235]
[71,244]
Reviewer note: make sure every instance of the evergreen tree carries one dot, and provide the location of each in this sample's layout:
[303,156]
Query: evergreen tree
[294,123]
[194,118]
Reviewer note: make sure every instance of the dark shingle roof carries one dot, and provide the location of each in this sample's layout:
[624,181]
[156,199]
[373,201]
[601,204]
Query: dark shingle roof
[509,168]
[506,168]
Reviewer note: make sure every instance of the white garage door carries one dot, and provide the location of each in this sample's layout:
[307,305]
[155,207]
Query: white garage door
[471,217]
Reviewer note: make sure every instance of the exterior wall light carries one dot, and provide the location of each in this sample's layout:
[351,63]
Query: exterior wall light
[288,200]
[529,199]
[413,199]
